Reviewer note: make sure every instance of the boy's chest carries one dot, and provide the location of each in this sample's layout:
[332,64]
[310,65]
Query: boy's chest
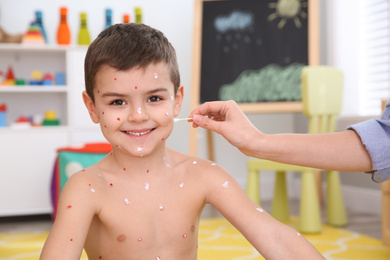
[149,216]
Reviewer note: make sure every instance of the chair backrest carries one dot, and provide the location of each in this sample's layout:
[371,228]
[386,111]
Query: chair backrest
[322,91]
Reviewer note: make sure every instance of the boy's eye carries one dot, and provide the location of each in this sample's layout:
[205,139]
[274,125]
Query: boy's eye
[154,99]
[118,102]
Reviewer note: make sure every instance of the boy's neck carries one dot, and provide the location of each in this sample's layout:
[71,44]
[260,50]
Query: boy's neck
[124,162]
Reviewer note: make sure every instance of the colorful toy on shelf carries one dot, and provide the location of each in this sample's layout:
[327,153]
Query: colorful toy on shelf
[39,20]
[84,38]
[60,79]
[21,123]
[63,32]
[108,18]
[36,78]
[138,15]
[34,35]
[48,79]
[8,38]
[9,77]
[3,110]
[126,18]
[50,118]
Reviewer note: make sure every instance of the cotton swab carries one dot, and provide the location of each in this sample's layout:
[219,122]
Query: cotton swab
[181,119]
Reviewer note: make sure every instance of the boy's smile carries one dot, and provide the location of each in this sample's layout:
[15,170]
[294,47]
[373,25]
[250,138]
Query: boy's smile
[135,107]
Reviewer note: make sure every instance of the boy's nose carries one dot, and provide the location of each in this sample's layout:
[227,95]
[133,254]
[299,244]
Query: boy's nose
[138,113]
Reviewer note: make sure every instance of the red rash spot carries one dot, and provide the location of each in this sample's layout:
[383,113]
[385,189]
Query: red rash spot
[100,257]
[111,184]
[69,206]
[118,119]
[147,171]
[71,239]
[136,87]
[89,184]
[162,139]
[105,126]
[124,169]
[98,91]
[103,113]
[114,78]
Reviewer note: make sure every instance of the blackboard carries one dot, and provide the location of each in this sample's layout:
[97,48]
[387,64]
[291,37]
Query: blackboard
[250,38]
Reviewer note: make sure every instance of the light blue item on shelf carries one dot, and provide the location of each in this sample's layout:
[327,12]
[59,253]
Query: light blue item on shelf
[2,119]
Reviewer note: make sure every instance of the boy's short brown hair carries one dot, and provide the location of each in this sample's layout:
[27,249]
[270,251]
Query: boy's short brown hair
[127,46]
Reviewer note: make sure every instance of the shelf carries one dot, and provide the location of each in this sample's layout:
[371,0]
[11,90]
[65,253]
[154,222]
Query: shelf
[30,88]
[31,47]
[33,129]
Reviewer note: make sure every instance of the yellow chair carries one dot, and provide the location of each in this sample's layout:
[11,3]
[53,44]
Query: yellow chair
[322,99]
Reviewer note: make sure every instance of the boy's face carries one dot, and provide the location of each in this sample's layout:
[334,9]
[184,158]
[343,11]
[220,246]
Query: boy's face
[135,108]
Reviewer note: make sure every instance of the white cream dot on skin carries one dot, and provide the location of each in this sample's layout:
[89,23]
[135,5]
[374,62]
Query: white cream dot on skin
[155,76]
[194,162]
[161,207]
[260,209]
[172,98]
[225,185]
[139,149]
[166,113]
[139,110]
[147,186]
[127,202]
[181,184]
[93,190]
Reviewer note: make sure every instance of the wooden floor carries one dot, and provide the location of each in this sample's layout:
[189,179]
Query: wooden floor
[363,223]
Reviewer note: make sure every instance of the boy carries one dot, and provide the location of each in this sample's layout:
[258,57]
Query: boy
[143,200]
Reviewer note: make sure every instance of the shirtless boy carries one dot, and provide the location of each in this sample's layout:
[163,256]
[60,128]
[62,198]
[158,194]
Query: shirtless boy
[144,200]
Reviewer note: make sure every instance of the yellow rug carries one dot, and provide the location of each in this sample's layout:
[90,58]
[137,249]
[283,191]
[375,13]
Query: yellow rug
[218,239]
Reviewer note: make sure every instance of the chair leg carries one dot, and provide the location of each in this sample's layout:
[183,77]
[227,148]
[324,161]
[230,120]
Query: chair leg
[280,204]
[252,186]
[309,219]
[336,213]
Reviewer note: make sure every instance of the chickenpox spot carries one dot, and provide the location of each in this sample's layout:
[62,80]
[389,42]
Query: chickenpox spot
[121,238]
[114,78]
[89,185]
[98,91]
[69,206]
[162,139]
[105,126]
[118,119]
[147,186]
[124,169]
[111,184]
[260,209]
[147,171]
[135,87]
[103,113]
[100,257]
[71,240]
[127,202]
[225,185]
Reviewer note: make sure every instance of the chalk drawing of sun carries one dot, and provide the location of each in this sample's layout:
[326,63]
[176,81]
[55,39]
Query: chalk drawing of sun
[286,10]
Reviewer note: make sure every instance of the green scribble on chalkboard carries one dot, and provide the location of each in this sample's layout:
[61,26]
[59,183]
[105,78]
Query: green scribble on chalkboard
[271,83]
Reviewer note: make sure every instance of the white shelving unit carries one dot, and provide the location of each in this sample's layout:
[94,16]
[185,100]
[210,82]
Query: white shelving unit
[27,155]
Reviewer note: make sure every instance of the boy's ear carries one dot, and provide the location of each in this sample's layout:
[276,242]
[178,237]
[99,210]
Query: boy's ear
[178,100]
[91,107]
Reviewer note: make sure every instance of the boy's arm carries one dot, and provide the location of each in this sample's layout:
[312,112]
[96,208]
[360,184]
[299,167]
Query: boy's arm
[272,239]
[76,208]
